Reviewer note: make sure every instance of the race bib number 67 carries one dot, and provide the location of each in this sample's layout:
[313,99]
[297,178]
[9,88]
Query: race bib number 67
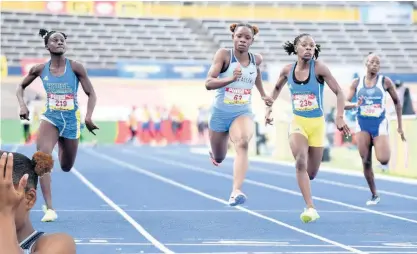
[61,101]
[236,96]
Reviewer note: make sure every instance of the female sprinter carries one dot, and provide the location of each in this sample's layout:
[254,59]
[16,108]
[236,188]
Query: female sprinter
[233,74]
[60,121]
[306,79]
[18,181]
[372,124]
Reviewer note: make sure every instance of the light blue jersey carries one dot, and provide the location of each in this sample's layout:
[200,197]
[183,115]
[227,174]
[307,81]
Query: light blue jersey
[61,107]
[306,96]
[235,99]
[237,96]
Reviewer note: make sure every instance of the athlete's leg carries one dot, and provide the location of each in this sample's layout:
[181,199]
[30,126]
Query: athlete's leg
[381,144]
[67,153]
[382,149]
[299,148]
[46,141]
[218,144]
[241,132]
[364,143]
[219,126]
[315,156]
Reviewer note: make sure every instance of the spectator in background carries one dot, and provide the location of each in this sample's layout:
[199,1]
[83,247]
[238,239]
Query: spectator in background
[27,123]
[176,120]
[133,124]
[156,118]
[145,119]
[404,97]
[202,124]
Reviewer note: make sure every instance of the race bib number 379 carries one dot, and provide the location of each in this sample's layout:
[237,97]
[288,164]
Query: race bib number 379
[236,96]
[61,101]
[305,102]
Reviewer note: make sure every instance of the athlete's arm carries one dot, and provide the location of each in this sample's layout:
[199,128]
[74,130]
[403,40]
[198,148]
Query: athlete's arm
[81,73]
[212,81]
[34,72]
[258,81]
[352,91]
[8,238]
[389,86]
[282,80]
[323,71]
[55,243]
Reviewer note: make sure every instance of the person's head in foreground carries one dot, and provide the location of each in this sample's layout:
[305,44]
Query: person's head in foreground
[40,164]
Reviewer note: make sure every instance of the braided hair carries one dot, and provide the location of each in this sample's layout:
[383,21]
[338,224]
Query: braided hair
[45,34]
[289,47]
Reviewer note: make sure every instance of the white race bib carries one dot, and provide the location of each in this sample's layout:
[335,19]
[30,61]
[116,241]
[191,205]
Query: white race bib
[61,101]
[305,102]
[373,110]
[237,96]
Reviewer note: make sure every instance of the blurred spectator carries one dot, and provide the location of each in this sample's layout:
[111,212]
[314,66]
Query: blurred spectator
[133,124]
[27,123]
[404,96]
[202,124]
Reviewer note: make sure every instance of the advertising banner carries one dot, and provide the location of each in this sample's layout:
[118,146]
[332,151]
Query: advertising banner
[55,7]
[161,70]
[4,67]
[104,8]
[80,7]
[27,63]
[387,14]
[129,9]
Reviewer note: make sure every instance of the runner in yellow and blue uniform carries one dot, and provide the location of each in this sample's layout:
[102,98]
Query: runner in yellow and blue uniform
[233,74]
[60,121]
[306,78]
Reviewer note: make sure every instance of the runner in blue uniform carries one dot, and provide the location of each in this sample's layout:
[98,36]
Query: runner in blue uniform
[371,123]
[233,74]
[60,120]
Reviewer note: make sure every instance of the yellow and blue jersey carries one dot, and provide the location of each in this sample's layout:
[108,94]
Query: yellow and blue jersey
[307,106]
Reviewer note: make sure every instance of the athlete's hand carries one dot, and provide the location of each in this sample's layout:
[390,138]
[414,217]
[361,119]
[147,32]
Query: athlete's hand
[268,100]
[10,197]
[359,102]
[90,125]
[24,112]
[268,119]
[401,132]
[342,126]
[237,73]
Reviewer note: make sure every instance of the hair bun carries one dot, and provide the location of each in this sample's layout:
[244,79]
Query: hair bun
[43,32]
[43,163]
[233,27]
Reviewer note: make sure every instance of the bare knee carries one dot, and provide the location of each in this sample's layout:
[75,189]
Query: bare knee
[241,143]
[301,162]
[367,163]
[219,158]
[312,174]
[67,166]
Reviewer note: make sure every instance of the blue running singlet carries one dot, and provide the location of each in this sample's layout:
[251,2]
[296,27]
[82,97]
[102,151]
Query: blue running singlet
[61,107]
